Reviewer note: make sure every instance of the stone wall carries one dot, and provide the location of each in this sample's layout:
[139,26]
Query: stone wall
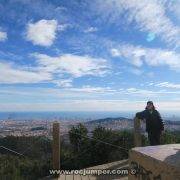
[155,162]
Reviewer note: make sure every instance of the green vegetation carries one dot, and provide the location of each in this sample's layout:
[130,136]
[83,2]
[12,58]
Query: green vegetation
[85,152]
[38,128]
[35,163]
[79,152]
[170,137]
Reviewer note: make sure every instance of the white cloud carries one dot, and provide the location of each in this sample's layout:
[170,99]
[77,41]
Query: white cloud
[90,30]
[168,85]
[65,83]
[86,92]
[74,65]
[42,32]
[173,7]
[74,105]
[149,15]
[133,54]
[115,52]
[90,89]
[3,36]
[142,92]
[38,94]
[53,69]
[138,55]
[63,27]
[139,93]
[150,74]
[90,105]
[10,74]
[85,98]
[135,71]
[150,84]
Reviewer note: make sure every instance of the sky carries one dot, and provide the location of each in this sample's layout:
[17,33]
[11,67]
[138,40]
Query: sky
[81,55]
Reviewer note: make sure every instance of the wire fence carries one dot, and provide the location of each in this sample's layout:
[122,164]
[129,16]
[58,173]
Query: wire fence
[35,147]
[77,156]
[118,152]
[32,143]
[30,162]
[104,142]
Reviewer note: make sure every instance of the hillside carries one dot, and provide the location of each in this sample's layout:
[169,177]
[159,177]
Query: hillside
[121,123]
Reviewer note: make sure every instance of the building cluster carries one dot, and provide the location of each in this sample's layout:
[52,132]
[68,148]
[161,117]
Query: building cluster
[24,128]
[37,127]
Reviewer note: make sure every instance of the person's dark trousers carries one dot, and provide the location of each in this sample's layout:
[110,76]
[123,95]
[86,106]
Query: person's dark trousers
[154,138]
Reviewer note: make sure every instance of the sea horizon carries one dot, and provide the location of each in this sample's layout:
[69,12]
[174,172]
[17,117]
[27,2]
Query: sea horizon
[77,115]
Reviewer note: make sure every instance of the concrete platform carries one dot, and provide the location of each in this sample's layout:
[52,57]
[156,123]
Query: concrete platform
[156,162]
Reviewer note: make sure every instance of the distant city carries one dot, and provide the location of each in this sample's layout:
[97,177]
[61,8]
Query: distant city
[40,124]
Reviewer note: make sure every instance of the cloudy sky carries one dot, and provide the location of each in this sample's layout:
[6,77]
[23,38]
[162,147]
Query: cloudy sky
[81,55]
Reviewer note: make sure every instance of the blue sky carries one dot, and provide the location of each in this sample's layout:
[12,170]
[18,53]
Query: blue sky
[81,55]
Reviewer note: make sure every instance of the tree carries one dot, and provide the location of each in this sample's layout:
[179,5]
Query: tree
[78,137]
[80,146]
[36,162]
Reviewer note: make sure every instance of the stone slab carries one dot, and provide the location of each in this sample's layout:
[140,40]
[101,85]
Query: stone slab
[156,162]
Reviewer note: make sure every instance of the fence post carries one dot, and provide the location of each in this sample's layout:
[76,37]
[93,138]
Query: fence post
[137,132]
[56,145]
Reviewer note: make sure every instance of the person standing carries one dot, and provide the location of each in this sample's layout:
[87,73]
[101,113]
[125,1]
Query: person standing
[154,123]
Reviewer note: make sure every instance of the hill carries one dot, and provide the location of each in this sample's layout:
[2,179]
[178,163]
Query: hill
[121,123]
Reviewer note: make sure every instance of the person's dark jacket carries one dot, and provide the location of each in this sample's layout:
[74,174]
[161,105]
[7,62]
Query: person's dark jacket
[154,122]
